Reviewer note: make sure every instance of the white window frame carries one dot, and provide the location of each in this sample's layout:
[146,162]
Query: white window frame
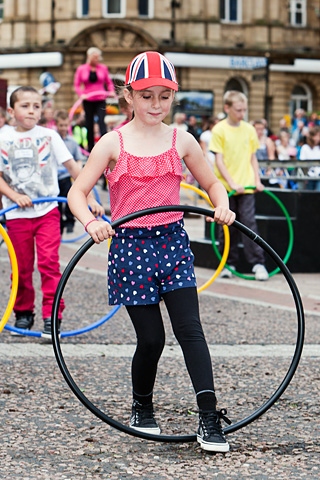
[150,10]
[297,99]
[227,12]
[294,9]
[80,13]
[121,14]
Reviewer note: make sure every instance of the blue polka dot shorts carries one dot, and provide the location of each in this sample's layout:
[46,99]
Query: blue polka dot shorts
[145,263]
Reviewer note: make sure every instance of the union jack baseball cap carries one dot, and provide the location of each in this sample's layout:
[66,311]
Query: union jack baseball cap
[151,69]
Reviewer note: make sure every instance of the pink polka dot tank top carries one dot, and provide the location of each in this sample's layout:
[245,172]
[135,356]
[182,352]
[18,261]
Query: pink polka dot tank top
[137,183]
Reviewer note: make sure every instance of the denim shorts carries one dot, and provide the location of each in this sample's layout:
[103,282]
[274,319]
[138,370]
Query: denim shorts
[145,263]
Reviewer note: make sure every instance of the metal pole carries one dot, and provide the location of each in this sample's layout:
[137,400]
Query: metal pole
[266,95]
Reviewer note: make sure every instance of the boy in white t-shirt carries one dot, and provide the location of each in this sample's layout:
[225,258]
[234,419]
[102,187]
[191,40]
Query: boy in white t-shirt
[311,151]
[30,156]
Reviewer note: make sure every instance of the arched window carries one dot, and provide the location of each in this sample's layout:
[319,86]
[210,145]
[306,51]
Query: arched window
[301,97]
[239,84]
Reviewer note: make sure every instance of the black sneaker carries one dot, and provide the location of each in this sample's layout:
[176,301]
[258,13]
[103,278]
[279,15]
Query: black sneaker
[24,320]
[142,418]
[46,332]
[210,434]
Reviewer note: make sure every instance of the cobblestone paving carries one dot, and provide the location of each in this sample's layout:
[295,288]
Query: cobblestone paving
[47,434]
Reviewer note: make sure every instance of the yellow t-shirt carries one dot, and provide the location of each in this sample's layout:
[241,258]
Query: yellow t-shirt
[237,144]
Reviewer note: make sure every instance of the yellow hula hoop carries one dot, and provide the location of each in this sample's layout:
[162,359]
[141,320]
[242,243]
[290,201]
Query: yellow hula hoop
[15,278]
[226,239]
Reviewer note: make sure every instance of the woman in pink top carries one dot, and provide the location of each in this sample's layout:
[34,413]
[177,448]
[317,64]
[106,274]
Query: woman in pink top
[89,78]
[150,258]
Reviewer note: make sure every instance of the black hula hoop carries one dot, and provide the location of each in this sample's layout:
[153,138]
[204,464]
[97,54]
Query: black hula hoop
[178,438]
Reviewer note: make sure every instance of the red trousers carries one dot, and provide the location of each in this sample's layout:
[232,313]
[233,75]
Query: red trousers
[37,238]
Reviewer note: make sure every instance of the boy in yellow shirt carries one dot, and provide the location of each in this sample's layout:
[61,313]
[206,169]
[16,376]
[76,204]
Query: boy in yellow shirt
[234,143]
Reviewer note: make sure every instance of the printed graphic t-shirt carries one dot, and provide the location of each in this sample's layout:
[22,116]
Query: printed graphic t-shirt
[29,164]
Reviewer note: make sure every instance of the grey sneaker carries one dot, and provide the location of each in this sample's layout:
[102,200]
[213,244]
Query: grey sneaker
[142,418]
[210,435]
[46,332]
[24,320]
[260,272]
[226,273]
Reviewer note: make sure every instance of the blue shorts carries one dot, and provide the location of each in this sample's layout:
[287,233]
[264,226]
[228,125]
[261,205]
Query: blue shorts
[145,263]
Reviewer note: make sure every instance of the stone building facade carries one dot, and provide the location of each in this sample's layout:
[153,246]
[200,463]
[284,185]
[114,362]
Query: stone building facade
[269,49]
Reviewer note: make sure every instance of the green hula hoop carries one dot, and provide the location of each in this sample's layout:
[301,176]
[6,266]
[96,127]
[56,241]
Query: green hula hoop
[290,230]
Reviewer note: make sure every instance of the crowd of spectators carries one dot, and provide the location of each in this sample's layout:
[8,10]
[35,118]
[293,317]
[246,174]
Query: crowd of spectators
[297,139]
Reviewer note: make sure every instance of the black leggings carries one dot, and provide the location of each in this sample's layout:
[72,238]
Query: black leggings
[183,309]
[64,187]
[91,109]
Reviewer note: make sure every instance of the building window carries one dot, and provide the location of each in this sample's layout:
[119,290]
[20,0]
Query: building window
[237,83]
[83,8]
[298,13]
[1,9]
[230,10]
[301,97]
[114,8]
[240,85]
[145,8]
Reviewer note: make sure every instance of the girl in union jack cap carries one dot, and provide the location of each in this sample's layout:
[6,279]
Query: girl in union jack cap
[150,257]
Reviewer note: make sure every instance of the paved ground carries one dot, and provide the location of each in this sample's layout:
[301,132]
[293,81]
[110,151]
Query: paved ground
[251,327]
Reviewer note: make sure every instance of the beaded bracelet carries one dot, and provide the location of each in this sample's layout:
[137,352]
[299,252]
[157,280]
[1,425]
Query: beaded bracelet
[88,223]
